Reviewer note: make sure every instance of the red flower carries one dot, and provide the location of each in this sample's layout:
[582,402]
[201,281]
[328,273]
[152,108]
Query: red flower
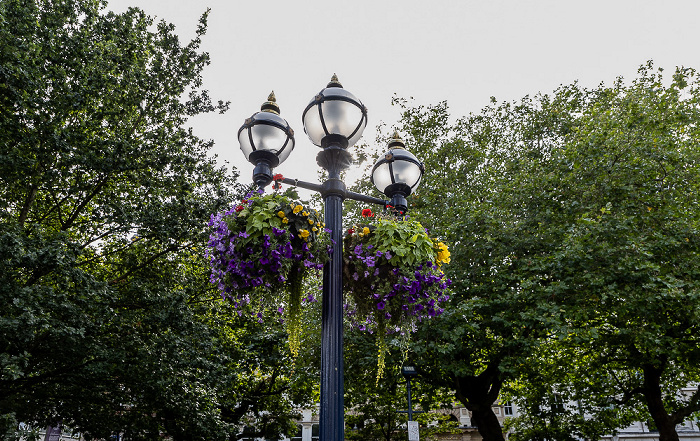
[367,213]
[239,208]
[350,231]
[277,177]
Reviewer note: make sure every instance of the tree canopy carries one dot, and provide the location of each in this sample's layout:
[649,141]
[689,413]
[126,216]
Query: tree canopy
[109,323]
[572,219]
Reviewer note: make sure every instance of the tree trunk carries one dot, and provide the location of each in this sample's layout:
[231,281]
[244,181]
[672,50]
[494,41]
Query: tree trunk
[487,423]
[654,400]
[478,393]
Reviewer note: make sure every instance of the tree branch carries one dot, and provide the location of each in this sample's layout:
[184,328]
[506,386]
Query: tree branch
[84,203]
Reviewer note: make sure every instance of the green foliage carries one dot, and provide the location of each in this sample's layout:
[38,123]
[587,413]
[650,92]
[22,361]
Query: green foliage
[378,409]
[573,219]
[107,323]
[467,196]
[406,240]
[623,270]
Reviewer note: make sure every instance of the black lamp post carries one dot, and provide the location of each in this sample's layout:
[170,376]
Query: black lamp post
[409,372]
[334,120]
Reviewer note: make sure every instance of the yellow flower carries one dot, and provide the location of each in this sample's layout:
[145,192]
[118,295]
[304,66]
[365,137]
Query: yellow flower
[443,254]
[365,230]
[314,229]
[285,220]
[311,221]
[303,234]
[280,214]
[297,209]
[305,213]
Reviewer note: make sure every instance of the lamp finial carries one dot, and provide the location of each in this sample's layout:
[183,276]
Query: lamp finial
[271,104]
[396,141]
[334,82]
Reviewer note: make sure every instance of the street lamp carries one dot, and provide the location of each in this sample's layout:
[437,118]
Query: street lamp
[334,120]
[397,173]
[266,140]
[410,372]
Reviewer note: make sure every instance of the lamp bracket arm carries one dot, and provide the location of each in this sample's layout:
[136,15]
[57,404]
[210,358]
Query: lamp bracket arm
[349,195]
[364,198]
[307,185]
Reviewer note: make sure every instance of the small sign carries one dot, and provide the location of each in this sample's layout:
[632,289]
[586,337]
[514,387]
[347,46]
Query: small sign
[413,433]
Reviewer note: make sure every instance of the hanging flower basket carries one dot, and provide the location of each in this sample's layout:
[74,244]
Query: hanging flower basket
[262,249]
[393,273]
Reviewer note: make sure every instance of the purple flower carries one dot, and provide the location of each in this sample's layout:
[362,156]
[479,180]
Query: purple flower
[381,305]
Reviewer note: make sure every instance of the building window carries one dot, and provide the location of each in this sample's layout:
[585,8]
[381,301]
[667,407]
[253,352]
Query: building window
[315,431]
[299,434]
[557,403]
[508,409]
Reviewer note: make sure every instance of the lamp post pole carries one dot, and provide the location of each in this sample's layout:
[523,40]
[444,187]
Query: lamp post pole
[333,120]
[410,372]
[410,407]
[333,159]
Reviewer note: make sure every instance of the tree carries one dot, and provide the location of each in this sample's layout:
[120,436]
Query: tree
[109,324]
[492,327]
[624,272]
[574,222]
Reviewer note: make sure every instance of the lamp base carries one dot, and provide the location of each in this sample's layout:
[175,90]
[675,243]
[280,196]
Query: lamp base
[334,159]
[262,174]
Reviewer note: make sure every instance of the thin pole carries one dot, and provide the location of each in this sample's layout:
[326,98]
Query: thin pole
[410,409]
[332,426]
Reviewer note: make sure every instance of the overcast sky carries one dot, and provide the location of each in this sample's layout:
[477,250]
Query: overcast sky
[460,51]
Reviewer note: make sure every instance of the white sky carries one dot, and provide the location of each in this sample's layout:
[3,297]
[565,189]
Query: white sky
[460,51]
